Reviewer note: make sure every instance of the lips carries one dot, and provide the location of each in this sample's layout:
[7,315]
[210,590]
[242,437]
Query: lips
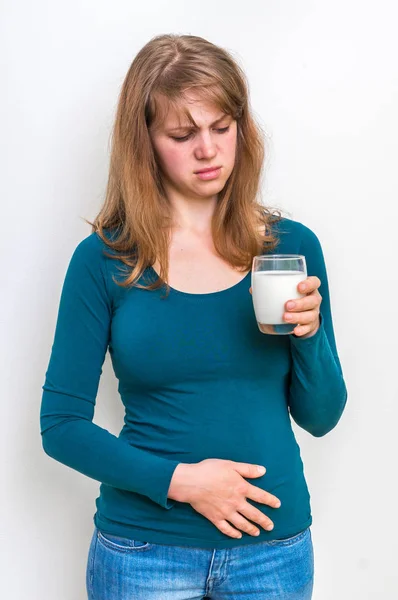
[208,169]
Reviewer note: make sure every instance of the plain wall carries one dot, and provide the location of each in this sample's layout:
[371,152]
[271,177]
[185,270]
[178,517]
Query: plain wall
[323,82]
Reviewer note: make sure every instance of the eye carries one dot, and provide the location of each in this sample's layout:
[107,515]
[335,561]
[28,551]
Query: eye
[186,137]
[181,139]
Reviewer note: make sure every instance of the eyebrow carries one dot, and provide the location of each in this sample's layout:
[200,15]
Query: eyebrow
[193,127]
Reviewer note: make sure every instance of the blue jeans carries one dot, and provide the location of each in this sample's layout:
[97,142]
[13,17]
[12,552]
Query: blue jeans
[120,568]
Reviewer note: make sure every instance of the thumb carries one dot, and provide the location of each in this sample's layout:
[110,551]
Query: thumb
[250,290]
[248,469]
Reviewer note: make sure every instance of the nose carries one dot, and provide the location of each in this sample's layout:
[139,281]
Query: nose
[206,147]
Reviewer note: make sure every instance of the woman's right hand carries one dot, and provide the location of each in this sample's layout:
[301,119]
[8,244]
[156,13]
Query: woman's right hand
[216,488]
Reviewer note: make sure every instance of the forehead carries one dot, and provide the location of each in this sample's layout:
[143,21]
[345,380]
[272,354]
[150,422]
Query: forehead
[184,111]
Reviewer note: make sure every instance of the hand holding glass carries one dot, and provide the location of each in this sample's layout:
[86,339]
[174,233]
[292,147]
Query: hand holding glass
[275,278]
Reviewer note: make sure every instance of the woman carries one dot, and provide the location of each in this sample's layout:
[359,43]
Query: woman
[163,283]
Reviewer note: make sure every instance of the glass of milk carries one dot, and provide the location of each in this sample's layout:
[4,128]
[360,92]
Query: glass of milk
[275,278]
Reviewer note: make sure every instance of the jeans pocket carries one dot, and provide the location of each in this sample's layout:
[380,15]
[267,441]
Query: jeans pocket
[121,544]
[291,540]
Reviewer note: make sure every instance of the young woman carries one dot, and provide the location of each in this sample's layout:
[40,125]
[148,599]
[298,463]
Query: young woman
[163,282]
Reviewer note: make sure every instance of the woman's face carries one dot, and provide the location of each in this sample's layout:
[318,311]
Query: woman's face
[182,150]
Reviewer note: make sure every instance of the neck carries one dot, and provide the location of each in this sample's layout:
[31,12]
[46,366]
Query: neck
[193,215]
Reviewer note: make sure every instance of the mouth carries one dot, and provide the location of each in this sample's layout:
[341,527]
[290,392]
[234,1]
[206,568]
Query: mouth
[208,170]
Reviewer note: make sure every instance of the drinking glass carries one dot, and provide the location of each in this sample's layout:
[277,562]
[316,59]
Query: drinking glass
[275,278]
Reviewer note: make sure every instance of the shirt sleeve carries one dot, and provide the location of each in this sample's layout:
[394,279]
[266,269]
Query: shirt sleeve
[317,393]
[71,383]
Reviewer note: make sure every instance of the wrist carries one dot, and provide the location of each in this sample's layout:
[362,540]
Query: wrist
[180,483]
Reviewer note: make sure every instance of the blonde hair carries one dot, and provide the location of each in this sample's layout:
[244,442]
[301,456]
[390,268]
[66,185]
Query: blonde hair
[135,205]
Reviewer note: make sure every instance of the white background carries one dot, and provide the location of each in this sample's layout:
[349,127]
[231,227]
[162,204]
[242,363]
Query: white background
[324,85]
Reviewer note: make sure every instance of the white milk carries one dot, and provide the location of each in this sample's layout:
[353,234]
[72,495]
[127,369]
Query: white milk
[271,290]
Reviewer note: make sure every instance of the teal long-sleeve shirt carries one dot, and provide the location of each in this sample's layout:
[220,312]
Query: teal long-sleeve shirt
[198,380]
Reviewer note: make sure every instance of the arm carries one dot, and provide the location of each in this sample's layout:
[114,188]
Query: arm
[317,393]
[71,383]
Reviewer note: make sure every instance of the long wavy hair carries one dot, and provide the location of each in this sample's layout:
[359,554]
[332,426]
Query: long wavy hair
[136,211]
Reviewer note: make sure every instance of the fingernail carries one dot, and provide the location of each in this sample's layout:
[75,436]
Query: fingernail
[260,469]
[291,304]
[303,286]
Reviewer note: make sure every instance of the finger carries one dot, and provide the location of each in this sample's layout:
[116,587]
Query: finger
[307,303]
[255,493]
[250,290]
[255,515]
[301,330]
[226,528]
[304,318]
[244,525]
[309,285]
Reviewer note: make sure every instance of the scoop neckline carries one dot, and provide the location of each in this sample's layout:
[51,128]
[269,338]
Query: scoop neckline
[205,294]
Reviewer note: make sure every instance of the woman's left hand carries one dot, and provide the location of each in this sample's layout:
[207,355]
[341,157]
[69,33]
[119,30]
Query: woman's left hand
[305,311]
